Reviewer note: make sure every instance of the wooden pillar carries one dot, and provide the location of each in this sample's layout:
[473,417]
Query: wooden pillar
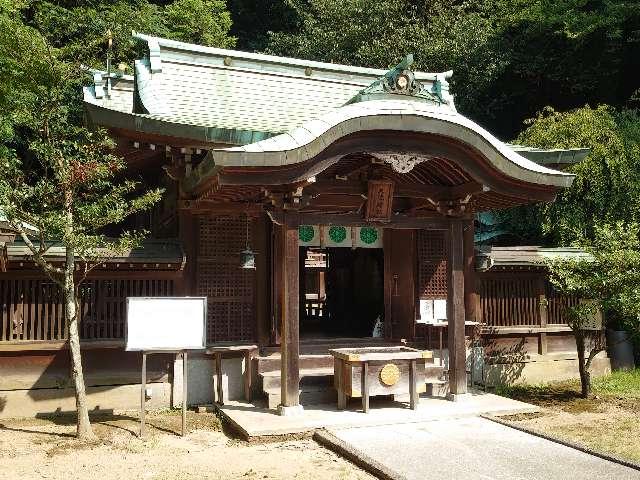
[455,309]
[289,327]
[261,241]
[188,234]
[277,250]
[471,294]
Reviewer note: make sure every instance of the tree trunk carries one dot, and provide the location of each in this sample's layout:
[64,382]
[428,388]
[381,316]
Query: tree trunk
[84,430]
[583,369]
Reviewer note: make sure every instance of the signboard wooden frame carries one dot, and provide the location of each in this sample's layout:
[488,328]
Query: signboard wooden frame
[166,348]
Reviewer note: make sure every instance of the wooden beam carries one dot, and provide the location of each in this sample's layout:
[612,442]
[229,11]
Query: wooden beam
[432,222]
[289,329]
[455,308]
[220,208]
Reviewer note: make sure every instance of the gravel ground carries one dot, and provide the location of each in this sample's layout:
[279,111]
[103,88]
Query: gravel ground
[46,448]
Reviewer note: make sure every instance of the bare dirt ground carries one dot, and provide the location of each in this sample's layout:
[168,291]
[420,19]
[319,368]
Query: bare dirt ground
[46,448]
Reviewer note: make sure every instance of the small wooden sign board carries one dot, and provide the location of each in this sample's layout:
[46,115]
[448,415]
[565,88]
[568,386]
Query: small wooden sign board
[165,325]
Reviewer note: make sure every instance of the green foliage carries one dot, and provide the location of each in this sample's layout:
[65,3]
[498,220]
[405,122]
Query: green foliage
[54,173]
[611,277]
[79,29]
[607,186]
[205,22]
[621,384]
[510,58]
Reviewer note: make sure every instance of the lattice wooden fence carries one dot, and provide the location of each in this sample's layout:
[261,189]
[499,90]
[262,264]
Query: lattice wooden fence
[33,309]
[556,305]
[510,300]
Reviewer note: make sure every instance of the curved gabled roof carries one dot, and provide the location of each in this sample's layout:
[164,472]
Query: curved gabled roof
[308,141]
[227,96]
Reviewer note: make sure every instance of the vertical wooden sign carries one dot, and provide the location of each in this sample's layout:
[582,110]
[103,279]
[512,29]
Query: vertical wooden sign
[379,201]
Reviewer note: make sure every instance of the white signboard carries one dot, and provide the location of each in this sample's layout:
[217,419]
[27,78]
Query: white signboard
[166,323]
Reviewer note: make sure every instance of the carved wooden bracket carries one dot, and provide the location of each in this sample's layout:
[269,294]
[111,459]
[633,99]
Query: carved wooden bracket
[400,162]
[452,208]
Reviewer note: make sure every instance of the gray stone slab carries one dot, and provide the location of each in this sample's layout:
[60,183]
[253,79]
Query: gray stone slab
[475,448]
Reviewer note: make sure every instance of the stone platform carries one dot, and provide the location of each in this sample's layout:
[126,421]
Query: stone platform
[252,420]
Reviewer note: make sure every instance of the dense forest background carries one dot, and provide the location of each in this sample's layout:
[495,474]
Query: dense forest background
[546,73]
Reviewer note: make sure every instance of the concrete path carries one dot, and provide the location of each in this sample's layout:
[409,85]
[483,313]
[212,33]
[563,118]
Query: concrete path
[474,448]
[254,420]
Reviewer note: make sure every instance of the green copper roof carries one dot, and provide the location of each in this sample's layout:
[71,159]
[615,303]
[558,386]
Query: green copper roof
[489,257]
[227,96]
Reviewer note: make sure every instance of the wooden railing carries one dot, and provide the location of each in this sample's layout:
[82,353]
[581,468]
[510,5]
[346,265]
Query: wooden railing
[521,299]
[556,305]
[33,309]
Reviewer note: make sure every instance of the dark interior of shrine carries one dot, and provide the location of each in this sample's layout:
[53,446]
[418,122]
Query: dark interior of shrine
[342,292]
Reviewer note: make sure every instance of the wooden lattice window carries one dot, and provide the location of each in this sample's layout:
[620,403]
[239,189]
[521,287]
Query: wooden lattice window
[230,290]
[432,264]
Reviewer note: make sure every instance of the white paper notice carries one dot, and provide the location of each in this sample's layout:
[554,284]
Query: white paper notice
[426,311]
[440,309]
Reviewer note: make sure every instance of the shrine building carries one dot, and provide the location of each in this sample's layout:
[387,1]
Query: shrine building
[316,206]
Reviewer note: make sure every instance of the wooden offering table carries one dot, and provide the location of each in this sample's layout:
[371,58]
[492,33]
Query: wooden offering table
[361,372]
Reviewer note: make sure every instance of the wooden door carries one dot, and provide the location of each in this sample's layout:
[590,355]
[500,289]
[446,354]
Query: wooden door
[399,278]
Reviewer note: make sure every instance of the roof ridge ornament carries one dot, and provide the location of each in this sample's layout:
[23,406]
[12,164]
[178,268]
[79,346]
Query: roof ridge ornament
[401,80]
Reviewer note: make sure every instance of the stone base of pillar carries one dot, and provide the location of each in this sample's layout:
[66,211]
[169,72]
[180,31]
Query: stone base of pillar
[458,397]
[291,411]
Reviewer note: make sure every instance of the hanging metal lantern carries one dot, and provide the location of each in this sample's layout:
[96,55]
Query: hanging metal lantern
[248,259]
[247,256]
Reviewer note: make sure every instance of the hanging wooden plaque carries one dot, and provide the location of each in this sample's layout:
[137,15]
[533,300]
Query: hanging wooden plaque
[380,200]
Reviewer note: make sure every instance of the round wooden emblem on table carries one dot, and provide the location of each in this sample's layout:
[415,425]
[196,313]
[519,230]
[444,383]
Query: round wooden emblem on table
[389,374]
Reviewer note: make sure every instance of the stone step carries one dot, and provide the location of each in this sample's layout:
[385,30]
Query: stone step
[322,346]
[433,373]
[310,378]
[272,362]
[315,396]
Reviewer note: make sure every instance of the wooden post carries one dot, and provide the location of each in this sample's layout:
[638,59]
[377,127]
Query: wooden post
[188,226]
[184,393]
[289,328]
[143,394]
[413,390]
[542,314]
[220,393]
[365,387]
[248,358]
[471,296]
[338,381]
[277,251]
[455,309]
